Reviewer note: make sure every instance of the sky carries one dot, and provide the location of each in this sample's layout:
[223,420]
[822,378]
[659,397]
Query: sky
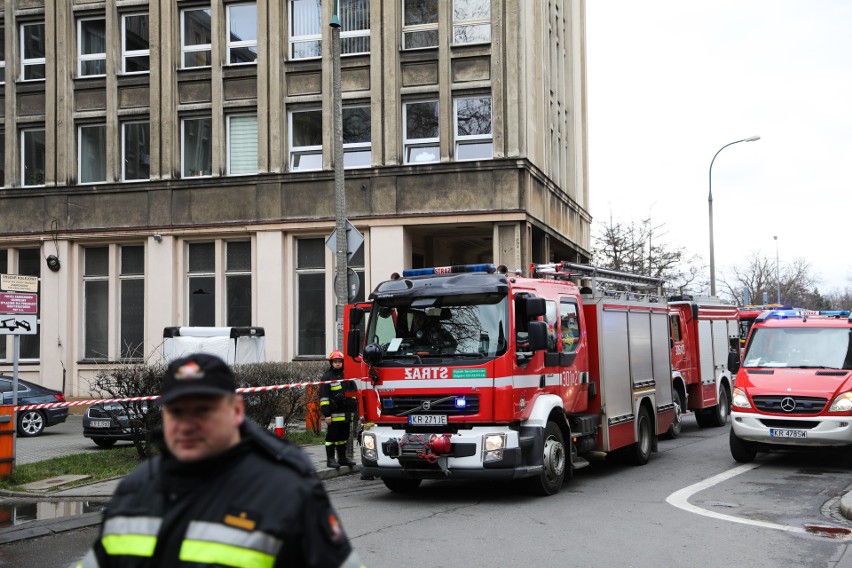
[672,81]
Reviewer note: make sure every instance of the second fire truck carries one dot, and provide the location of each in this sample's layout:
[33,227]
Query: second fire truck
[477,374]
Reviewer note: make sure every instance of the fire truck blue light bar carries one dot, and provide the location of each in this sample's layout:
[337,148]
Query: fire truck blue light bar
[454,269]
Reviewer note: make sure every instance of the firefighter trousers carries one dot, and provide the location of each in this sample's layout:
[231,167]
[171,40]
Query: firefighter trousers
[338,433]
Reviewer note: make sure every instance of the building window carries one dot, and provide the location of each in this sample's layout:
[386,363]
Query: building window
[419,24]
[135,151]
[32,52]
[29,264]
[197,157]
[238,283]
[132,304]
[96,302]
[242,34]
[422,142]
[32,157]
[135,44]
[306,140]
[2,58]
[92,153]
[201,276]
[310,296]
[91,47]
[474,139]
[305,29]
[357,152]
[242,144]
[195,38]
[354,27]
[471,21]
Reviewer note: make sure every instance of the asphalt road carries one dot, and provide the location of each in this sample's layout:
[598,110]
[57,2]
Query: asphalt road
[60,440]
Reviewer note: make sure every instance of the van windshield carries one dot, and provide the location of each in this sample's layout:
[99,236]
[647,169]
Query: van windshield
[463,326]
[804,348]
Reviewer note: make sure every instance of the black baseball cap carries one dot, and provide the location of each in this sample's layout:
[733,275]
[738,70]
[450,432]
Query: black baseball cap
[197,374]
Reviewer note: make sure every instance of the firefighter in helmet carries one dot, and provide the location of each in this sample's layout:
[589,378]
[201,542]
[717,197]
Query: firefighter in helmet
[337,409]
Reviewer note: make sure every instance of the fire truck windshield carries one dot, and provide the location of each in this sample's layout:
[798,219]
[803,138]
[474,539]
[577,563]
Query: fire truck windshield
[469,326]
[811,348]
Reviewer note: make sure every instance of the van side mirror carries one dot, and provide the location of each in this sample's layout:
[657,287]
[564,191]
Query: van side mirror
[733,362]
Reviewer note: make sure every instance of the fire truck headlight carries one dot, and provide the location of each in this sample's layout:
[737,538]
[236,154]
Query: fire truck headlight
[368,445]
[842,403]
[740,399]
[493,445]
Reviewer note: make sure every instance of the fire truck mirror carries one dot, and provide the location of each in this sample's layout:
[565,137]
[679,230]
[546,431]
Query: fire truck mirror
[356,316]
[538,334]
[535,307]
[353,343]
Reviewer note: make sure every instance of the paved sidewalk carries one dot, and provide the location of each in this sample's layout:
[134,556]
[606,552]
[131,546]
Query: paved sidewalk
[103,490]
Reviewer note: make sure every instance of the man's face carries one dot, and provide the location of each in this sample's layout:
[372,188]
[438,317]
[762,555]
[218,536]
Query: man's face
[199,427]
[337,363]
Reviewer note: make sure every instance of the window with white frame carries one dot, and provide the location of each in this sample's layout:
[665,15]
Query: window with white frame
[135,150]
[354,27]
[419,24]
[310,296]
[474,139]
[305,28]
[32,156]
[2,54]
[32,52]
[357,151]
[238,283]
[91,47]
[29,263]
[195,38]
[242,33]
[471,21]
[204,268]
[197,147]
[242,144]
[135,43]
[422,135]
[128,309]
[306,140]
[91,153]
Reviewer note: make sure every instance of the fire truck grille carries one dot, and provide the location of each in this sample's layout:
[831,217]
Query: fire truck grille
[780,404]
[405,405]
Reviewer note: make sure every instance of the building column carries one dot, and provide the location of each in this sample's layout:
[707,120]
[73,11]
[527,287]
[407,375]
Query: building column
[390,251]
[507,246]
[162,276]
[56,351]
[270,288]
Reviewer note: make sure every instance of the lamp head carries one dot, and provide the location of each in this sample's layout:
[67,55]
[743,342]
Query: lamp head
[752,139]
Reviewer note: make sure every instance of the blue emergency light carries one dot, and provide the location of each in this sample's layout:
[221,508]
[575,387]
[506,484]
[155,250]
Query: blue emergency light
[454,269]
[834,313]
[461,402]
[779,314]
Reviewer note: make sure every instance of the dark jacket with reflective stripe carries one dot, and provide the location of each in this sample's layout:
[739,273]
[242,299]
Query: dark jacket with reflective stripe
[333,399]
[258,504]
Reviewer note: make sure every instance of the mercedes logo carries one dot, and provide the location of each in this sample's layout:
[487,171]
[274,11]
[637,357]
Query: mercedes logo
[788,404]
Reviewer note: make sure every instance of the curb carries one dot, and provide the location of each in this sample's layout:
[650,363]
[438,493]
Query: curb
[846,505]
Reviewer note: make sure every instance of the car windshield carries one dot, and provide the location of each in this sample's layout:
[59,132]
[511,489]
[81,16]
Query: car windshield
[461,326]
[815,348]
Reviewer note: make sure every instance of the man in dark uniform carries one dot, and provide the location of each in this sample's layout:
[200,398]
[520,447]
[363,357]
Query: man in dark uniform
[337,409]
[224,492]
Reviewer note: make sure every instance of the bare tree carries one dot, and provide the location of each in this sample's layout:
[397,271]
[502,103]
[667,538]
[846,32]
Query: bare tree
[759,276]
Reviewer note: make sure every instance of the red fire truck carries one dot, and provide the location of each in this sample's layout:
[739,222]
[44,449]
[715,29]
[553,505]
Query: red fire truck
[477,374]
[705,357]
[794,388]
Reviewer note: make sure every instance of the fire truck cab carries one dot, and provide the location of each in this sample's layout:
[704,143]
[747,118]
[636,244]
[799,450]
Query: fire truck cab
[705,357]
[477,374]
[794,388]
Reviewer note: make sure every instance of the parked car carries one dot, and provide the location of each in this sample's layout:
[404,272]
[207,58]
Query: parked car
[106,424]
[33,422]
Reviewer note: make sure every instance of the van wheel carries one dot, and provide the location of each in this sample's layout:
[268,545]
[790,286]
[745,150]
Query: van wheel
[677,424]
[741,451]
[555,462]
[401,485]
[640,452]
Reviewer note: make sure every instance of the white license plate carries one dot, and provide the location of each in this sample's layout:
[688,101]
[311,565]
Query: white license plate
[100,423]
[778,433]
[428,419]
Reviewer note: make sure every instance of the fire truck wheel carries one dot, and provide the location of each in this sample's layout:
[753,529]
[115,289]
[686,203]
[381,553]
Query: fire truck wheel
[719,414]
[401,485]
[741,451]
[677,424]
[640,453]
[555,462]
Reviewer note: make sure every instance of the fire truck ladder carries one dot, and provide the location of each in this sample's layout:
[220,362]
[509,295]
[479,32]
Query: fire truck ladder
[603,280]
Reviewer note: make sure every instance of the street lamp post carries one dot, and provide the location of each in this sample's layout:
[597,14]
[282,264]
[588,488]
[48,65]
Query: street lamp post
[710,209]
[777,270]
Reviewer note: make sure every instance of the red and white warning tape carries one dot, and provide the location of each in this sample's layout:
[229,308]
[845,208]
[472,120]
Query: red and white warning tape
[244,390]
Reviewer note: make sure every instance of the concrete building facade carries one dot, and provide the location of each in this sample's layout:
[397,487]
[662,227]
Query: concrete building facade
[175,157]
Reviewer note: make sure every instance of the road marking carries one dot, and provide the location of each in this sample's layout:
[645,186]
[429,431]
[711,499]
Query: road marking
[680,499]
